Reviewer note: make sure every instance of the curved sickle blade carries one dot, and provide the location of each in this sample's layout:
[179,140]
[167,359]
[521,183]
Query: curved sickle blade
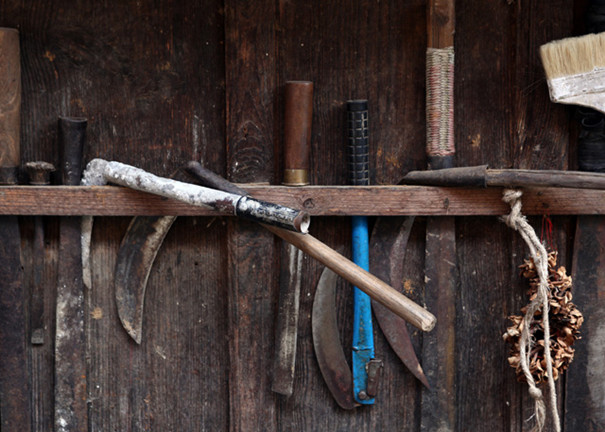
[387,249]
[326,340]
[137,252]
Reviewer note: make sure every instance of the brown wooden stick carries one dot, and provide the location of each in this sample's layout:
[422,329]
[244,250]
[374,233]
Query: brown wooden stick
[440,23]
[482,176]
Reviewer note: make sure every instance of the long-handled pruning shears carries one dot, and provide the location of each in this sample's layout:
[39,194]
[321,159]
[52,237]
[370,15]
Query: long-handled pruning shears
[363,338]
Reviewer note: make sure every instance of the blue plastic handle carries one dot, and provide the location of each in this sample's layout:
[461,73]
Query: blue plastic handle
[363,335]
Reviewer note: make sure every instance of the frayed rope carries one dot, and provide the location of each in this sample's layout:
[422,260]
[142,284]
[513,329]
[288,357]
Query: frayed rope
[519,223]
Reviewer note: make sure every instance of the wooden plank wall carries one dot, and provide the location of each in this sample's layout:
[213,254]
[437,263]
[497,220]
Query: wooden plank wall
[165,82]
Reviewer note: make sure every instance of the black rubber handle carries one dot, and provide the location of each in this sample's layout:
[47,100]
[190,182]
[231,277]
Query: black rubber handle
[72,133]
[358,142]
[595,16]
[591,142]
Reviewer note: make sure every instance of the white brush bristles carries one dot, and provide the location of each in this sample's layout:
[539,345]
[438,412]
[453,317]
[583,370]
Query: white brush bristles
[573,56]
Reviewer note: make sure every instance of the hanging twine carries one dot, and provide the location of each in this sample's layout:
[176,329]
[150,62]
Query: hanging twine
[440,101]
[518,222]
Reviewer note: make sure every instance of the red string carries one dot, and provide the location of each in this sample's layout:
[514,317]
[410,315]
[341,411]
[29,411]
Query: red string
[546,232]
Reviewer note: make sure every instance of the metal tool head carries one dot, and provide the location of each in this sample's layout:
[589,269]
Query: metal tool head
[326,340]
[387,250]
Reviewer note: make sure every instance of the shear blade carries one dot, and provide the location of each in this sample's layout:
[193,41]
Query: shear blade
[387,250]
[326,341]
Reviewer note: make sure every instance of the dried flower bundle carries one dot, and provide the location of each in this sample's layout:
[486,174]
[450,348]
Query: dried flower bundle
[565,322]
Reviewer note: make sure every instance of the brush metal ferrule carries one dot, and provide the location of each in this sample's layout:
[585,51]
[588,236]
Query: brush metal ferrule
[584,89]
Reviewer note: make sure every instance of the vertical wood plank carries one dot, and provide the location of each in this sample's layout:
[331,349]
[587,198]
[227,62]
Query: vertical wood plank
[485,75]
[539,131]
[42,356]
[250,51]
[512,113]
[441,275]
[584,408]
[177,378]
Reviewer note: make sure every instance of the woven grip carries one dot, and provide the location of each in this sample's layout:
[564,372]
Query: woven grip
[440,146]
[358,142]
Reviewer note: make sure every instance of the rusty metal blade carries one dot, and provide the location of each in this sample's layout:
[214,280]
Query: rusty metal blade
[286,327]
[326,341]
[387,249]
[135,259]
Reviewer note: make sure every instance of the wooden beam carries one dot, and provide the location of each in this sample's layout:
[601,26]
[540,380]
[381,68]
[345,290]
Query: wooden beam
[317,200]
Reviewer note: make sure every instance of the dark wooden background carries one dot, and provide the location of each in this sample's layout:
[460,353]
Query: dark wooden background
[164,82]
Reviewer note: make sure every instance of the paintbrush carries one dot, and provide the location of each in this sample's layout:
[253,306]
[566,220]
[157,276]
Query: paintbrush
[575,70]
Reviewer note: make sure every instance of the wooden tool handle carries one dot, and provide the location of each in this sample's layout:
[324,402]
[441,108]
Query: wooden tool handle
[368,283]
[441,22]
[297,132]
[10,105]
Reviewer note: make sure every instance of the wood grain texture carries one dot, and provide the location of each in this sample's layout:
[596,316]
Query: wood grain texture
[10,99]
[251,290]
[155,78]
[41,357]
[441,275]
[485,55]
[584,407]
[317,201]
[441,23]
[139,71]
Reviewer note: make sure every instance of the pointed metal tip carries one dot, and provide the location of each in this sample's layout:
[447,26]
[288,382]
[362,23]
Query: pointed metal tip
[133,331]
[422,378]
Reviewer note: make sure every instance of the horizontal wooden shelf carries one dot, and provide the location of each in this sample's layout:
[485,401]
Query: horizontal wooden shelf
[317,200]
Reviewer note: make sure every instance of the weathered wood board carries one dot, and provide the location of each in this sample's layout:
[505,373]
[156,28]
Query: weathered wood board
[165,82]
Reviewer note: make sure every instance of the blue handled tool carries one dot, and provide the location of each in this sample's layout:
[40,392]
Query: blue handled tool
[364,365]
